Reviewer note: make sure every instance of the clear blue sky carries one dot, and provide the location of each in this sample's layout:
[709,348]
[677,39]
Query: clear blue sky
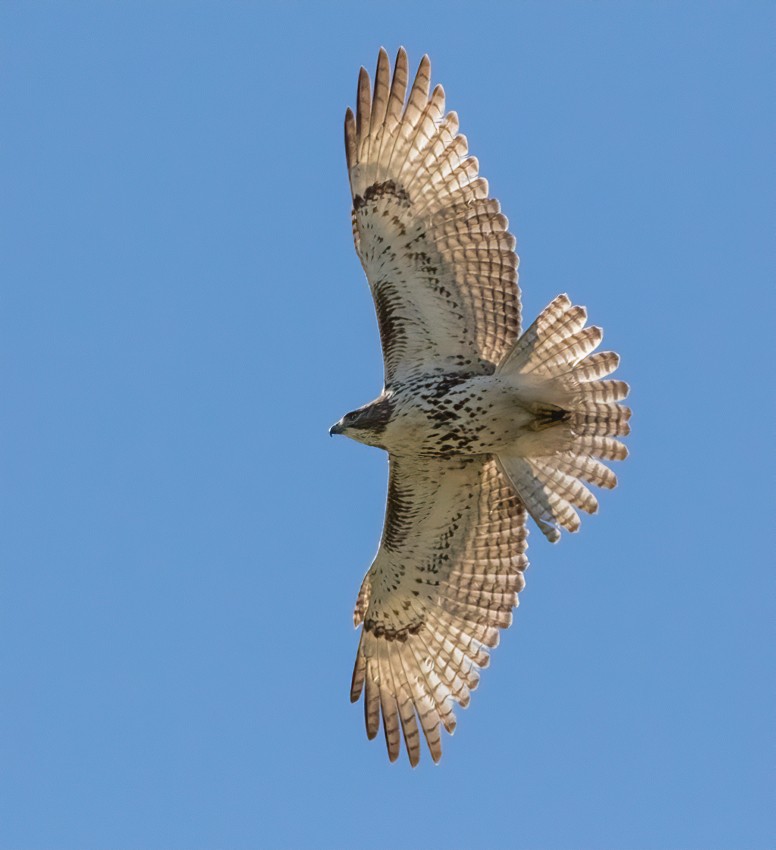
[182,316]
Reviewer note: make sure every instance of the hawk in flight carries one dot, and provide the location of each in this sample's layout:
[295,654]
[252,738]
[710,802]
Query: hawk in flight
[482,425]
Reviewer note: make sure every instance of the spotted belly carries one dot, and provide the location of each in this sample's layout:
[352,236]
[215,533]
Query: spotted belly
[453,415]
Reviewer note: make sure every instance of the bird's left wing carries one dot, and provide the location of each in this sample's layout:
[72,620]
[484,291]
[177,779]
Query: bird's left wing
[444,582]
[436,250]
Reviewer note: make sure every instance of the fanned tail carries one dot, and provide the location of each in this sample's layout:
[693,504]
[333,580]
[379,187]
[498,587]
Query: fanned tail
[578,417]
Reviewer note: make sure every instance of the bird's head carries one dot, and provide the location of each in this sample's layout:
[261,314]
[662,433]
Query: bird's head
[366,425]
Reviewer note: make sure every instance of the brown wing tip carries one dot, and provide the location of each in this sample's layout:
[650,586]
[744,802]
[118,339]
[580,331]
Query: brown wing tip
[364,94]
[350,140]
[357,681]
[392,738]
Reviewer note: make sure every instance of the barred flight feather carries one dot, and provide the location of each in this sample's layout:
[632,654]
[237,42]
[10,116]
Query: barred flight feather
[442,635]
[411,179]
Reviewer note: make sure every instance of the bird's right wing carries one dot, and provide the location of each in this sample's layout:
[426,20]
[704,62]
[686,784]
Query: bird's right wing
[436,250]
[444,582]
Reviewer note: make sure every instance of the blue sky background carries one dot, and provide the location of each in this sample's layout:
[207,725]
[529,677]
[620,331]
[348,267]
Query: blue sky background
[182,317]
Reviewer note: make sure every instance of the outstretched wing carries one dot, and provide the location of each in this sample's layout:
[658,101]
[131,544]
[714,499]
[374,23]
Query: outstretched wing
[444,582]
[436,250]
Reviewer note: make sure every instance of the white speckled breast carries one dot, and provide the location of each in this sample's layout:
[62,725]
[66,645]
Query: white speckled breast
[448,415]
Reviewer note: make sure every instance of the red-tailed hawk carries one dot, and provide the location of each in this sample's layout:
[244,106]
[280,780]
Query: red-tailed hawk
[481,424]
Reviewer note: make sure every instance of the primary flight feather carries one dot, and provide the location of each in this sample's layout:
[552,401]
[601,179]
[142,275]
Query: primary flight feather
[482,425]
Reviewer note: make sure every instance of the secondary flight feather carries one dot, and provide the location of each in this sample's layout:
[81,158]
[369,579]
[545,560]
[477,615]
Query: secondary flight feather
[482,425]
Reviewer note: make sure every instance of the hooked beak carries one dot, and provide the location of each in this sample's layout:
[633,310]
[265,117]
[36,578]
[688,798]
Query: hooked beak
[336,428]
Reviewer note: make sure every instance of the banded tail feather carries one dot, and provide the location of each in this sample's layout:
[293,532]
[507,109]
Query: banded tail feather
[555,360]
